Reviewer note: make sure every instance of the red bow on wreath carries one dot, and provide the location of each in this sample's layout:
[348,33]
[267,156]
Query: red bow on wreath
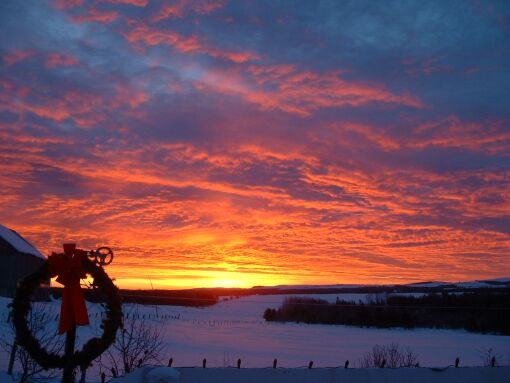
[68,269]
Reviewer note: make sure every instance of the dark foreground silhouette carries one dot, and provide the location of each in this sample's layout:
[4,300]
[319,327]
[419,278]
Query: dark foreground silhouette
[486,311]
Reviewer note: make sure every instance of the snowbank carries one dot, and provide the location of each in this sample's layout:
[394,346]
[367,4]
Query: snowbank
[4,378]
[282,375]
[151,375]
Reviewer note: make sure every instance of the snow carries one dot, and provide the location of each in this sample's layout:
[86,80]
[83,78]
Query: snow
[18,242]
[469,284]
[249,375]
[466,285]
[474,285]
[4,378]
[150,374]
[503,282]
[234,328]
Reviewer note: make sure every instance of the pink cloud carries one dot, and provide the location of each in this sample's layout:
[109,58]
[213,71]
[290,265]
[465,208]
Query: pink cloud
[95,15]
[136,3]
[86,109]
[286,88]
[62,4]
[194,44]
[17,56]
[428,66]
[54,60]
[179,8]
[488,136]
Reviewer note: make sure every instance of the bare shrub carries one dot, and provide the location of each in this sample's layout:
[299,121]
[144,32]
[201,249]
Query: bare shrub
[489,357]
[392,356]
[41,322]
[138,344]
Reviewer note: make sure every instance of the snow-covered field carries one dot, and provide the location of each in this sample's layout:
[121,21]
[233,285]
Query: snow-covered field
[234,328]
[156,374]
[403,375]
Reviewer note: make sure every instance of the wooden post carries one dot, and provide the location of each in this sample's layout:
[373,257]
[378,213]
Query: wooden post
[275,362]
[239,363]
[204,363]
[310,365]
[12,357]
[68,374]
[346,365]
[457,361]
[170,361]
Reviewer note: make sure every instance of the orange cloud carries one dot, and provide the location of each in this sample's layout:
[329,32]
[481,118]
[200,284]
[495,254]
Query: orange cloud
[247,234]
[207,189]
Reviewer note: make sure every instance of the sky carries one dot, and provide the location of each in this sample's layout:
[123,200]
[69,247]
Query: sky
[241,143]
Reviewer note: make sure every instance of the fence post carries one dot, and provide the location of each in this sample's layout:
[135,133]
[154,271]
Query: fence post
[275,362]
[493,361]
[310,365]
[170,361]
[239,363]
[346,365]
[204,362]
[457,361]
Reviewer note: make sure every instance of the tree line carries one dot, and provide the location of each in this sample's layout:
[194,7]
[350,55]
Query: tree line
[486,311]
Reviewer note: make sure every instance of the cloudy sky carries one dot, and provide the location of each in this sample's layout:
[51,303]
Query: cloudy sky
[220,143]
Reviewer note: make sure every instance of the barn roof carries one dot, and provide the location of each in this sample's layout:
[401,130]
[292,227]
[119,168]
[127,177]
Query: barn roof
[18,242]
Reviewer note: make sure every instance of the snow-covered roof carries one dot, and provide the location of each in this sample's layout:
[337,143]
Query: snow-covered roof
[18,242]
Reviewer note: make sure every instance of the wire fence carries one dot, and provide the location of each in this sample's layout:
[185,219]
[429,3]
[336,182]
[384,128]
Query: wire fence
[248,301]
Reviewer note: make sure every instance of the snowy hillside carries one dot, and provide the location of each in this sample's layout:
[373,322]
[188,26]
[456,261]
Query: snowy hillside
[499,282]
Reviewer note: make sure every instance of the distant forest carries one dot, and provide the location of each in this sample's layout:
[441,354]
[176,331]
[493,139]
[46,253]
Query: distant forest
[191,297]
[485,311]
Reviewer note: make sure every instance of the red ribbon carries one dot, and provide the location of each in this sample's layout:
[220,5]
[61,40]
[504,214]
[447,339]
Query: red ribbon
[68,269]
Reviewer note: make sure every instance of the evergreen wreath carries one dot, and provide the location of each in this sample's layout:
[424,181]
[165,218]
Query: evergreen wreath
[94,347]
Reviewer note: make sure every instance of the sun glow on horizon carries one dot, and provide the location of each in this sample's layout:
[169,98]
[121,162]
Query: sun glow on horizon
[205,159]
